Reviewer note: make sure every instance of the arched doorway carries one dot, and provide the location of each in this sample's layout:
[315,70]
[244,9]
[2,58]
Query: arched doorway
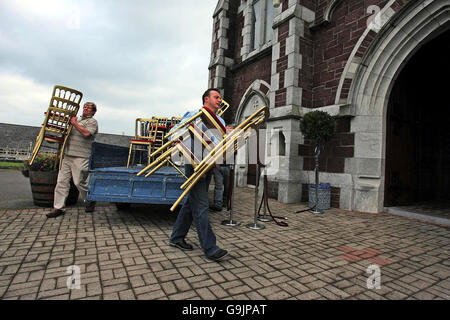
[417,129]
[394,47]
[246,158]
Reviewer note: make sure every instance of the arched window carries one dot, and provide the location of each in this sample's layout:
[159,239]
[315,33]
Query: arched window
[281,144]
[262,22]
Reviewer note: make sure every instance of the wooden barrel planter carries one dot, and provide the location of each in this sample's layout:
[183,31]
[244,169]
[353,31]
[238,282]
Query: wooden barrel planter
[43,188]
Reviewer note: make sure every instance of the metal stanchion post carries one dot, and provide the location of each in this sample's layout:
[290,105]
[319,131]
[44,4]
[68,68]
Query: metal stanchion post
[255,225]
[265,218]
[230,222]
[316,208]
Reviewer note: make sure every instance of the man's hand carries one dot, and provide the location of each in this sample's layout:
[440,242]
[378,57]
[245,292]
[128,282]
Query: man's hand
[84,132]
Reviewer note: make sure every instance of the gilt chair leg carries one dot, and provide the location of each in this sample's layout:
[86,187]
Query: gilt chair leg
[129,155]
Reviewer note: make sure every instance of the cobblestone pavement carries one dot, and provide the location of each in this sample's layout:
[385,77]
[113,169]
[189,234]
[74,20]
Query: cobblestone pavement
[125,255]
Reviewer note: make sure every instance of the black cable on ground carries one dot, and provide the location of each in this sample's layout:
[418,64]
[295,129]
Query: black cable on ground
[264,198]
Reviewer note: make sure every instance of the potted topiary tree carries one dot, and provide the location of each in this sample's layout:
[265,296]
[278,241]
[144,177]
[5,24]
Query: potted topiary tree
[317,126]
[43,174]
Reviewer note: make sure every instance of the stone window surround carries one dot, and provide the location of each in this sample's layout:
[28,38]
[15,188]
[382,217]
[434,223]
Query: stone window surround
[247,8]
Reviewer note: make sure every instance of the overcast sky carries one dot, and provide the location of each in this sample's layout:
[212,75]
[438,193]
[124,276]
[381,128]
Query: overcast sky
[137,58]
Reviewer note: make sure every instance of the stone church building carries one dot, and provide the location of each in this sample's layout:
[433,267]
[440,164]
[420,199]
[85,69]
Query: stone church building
[380,67]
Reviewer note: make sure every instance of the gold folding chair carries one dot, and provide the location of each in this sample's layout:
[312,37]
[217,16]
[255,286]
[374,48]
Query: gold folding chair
[64,104]
[181,139]
[161,131]
[174,121]
[144,138]
[231,142]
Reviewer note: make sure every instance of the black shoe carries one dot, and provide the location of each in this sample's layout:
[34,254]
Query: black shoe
[90,206]
[218,255]
[55,213]
[183,245]
[215,207]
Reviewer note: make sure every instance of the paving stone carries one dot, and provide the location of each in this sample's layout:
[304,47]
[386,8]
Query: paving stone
[147,289]
[31,296]
[308,296]
[113,282]
[205,293]
[268,290]
[111,296]
[53,293]
[218,291]
[182,285]
[178,296]
[94,289]
[340,294]
[115,288]
[124,256]
[127,295]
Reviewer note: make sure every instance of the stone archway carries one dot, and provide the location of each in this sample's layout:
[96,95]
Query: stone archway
[253,99]
[417,134]
[397,42]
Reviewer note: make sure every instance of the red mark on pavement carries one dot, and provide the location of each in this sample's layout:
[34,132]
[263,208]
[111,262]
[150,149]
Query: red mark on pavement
[353,255]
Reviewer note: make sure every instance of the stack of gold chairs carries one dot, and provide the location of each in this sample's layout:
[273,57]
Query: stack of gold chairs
[64,104]
[174,121]
[144,138]
[161,130]
[180,137]
[190,129]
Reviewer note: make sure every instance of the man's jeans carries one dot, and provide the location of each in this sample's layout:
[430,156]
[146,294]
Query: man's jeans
[195,208]
[221,184]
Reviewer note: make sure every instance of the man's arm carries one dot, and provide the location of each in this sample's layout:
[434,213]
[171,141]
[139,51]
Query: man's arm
[185,117]
[85,132]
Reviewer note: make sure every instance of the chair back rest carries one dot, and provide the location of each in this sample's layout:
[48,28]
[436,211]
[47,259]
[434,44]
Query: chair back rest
[145,129]
[174,121]
[162,123]
[64,104]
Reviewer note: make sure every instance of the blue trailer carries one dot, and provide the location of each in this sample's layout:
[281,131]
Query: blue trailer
[111,181]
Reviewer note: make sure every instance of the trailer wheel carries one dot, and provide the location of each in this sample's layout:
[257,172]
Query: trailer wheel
[121,206]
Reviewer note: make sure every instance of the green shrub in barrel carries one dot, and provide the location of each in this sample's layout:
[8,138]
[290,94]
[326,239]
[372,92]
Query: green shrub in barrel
[43,174]
[317,126]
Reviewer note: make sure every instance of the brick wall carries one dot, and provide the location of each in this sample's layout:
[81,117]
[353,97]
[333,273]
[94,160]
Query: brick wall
[307,70]
[332,157]
[242,77]
[310,4]
[238,38]
[282,62]
[325,51]
[333,44]
[320,8]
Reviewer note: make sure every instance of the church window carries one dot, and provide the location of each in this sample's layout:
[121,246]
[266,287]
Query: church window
[262,22]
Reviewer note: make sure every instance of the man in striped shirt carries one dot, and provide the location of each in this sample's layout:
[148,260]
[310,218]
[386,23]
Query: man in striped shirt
[76,160]
[195,207]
